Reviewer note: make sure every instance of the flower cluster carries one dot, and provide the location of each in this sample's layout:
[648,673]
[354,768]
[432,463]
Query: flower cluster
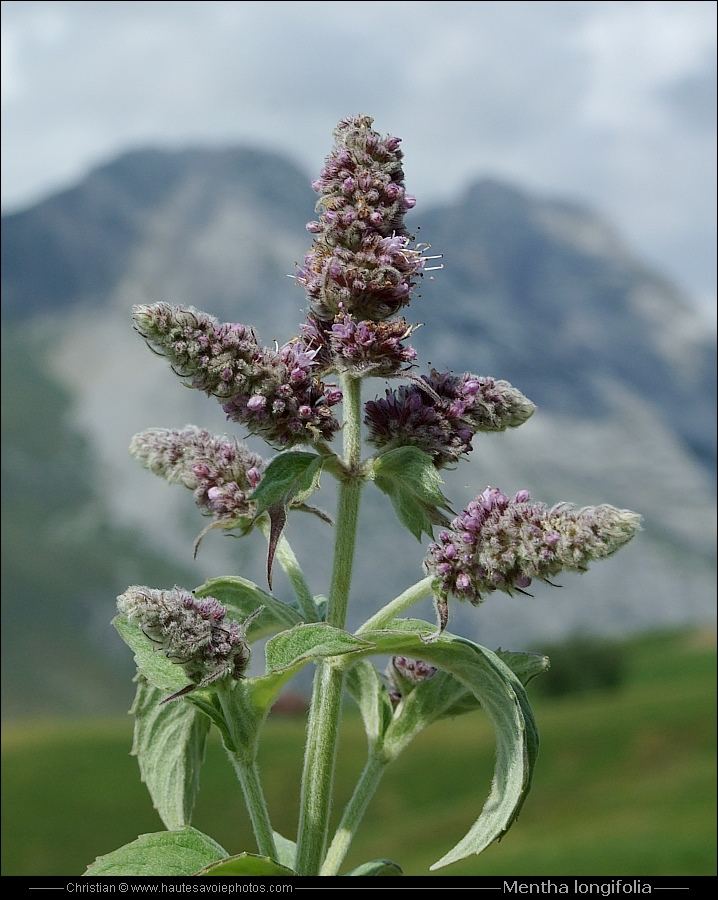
[371,348]
[273,393]
[404,674]
[442,417]
[217,358]
[284,401]
[502,544]
[362,262]
[220,471]
[192,633]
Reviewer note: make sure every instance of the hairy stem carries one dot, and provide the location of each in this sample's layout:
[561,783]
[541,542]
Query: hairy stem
[355,808]
[326,707]
[399,605]
[248,775]
[319,760]
[243,758]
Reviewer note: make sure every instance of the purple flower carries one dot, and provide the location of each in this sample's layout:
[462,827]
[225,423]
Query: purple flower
[284,401]
[260,387]
[442,418]
[220,471]
[362,262]
[216,358]
[404,674]
[501,544]
[374,348]
[371,282]
[192,633]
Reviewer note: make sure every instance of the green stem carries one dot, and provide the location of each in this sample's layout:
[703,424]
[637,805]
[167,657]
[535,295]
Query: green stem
[319,760]
[248,775]
[351,431]
[363,792]
[399,605]
[243,757]
[326,707]
[350,488]
[345,543]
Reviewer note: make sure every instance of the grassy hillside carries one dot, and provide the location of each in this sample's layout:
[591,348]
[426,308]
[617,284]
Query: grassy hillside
[625,783]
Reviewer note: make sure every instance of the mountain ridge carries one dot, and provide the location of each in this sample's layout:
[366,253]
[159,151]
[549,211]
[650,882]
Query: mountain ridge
[540,292]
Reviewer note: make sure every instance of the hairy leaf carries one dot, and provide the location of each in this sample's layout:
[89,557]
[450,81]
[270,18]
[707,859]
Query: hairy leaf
[289,479]
[163,853]
[169,743]
[372,698]
[291,476]
[377,867]
[500,693]
[304,643]
[152,663]
[409,478]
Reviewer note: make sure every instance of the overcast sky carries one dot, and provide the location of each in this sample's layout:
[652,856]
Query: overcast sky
[612,104]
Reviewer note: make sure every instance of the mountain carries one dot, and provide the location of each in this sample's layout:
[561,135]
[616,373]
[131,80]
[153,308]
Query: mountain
[538,291]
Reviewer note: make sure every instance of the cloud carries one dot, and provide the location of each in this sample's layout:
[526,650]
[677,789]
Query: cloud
[611,103]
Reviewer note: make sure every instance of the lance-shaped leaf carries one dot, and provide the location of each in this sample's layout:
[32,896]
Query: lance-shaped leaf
[169,743]
[163,853]
[290,651]
[242,597]
[245,864]
[296,647]
[526,666]
[501,695]
[289,479]
[438,697]
[409,478]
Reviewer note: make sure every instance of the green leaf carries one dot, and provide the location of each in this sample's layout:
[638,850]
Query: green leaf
[525,666]
[500,693]
[289,479]
[294,648]
[169,743]
[286,654]
[291,476]
[242,597]
[377,867]
[253,697]
[286,850]
[409,478]
[372,698]
[246,864]
[151,662]
[164,853]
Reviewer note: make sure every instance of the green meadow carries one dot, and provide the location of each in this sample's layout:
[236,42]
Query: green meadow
[625,783]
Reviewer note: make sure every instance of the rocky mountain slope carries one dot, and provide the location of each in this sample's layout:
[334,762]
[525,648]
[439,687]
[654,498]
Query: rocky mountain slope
[537,291]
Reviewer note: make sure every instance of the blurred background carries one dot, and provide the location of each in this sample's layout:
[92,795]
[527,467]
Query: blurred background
[563,157]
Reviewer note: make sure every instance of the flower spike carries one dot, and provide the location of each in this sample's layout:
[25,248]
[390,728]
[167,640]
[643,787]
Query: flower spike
[501,544]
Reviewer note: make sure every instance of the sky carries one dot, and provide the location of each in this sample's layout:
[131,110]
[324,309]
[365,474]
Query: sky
[608,104]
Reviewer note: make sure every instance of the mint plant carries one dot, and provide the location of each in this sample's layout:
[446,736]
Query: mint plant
[192,647]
